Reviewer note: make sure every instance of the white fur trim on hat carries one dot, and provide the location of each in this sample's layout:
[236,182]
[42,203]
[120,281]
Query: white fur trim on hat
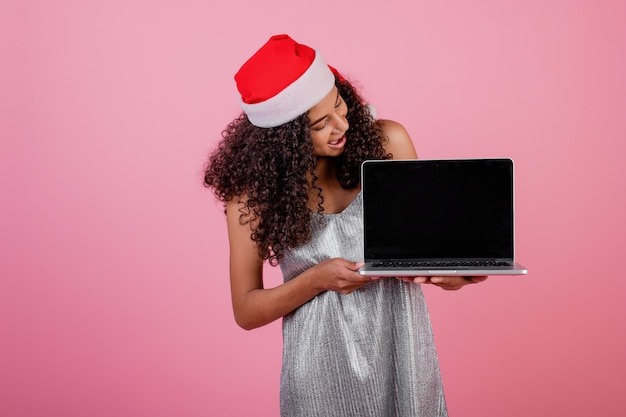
[296,99]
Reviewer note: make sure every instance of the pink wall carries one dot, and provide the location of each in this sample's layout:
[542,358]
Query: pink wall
[114,296]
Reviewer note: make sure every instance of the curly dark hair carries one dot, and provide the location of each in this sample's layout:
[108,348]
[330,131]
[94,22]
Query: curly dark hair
[266,169]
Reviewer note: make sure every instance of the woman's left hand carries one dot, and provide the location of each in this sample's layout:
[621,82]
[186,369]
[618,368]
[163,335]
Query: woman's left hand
[450,283]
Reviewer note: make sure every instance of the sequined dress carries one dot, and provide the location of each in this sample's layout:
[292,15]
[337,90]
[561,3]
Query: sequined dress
[366,354]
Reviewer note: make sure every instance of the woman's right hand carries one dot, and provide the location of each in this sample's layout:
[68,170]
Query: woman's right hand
[339,275]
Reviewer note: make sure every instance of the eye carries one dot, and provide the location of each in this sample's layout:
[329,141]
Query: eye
[323,126]
[339,103]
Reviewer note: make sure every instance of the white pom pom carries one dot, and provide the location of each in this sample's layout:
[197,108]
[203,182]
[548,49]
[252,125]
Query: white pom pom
[372,110]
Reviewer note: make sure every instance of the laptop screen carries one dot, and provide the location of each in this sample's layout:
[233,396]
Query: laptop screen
[444,209]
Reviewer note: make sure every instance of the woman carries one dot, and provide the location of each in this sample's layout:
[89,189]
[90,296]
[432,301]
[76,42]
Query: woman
[287,171]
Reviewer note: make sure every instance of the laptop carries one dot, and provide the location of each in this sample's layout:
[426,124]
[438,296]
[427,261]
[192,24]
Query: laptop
[438,218]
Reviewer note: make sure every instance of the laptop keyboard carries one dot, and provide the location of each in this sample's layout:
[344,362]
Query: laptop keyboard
[437,264]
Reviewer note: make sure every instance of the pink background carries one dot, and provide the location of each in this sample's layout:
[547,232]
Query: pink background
[114,297]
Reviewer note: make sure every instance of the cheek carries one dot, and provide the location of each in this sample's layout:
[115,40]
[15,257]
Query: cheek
[318,140]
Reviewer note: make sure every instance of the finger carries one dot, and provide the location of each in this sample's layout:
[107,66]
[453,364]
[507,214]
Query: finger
[355,277]
[357,265]
[474,279]
[455,282]
[449,283]
[354,266]
[445,280]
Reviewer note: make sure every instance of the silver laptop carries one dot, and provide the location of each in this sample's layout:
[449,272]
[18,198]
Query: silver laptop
[438,217]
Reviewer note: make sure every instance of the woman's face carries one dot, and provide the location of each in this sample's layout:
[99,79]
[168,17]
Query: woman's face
[329,125]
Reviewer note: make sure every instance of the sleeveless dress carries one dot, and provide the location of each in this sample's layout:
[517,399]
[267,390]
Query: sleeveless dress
[369,353]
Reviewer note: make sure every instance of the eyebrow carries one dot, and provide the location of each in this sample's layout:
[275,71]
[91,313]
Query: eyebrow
[323,117]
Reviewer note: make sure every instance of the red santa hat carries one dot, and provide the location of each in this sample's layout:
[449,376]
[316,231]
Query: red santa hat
[281,81]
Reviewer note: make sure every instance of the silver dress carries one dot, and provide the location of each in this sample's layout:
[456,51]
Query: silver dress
[366,354]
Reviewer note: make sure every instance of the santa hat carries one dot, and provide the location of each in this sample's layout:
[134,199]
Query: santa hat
[281,81]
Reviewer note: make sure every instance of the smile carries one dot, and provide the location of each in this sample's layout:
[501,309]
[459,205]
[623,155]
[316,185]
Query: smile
[339,143]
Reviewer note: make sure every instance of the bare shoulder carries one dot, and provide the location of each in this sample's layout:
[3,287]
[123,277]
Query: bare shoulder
[237,219]
[400,144]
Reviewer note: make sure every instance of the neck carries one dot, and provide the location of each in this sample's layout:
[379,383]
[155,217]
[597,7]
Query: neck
[336,198]
[325,169]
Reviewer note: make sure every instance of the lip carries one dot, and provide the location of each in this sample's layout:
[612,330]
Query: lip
[339,143]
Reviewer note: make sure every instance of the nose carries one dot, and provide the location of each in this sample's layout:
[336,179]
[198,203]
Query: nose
[340,123]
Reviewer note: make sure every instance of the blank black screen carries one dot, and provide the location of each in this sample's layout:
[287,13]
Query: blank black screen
[438,209]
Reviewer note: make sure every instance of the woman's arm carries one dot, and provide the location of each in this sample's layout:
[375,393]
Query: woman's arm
[255,306]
